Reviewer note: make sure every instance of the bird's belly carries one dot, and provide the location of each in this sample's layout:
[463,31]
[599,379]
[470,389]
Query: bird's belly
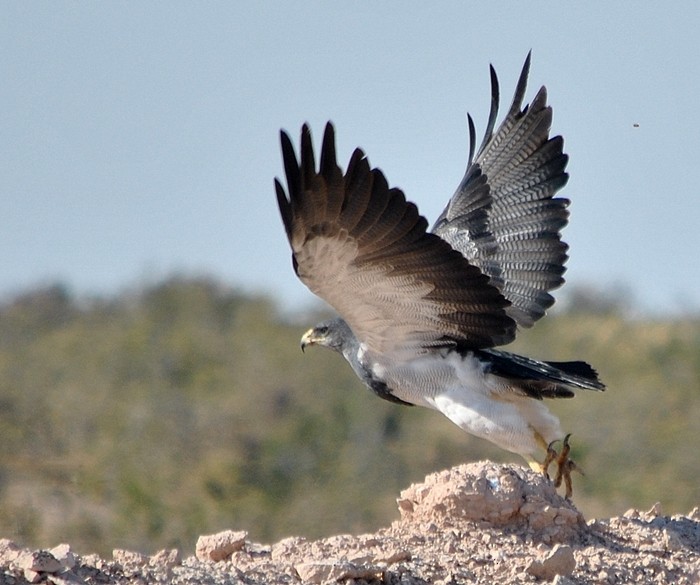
[510,425]
[480,403]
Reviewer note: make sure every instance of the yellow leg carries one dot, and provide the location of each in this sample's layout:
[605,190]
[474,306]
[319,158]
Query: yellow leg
[551,455]
[564,465]
[535,465]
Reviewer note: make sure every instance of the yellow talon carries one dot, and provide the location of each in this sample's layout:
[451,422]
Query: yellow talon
[564,465]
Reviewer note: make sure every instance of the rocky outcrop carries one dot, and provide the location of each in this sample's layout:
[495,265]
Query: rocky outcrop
[476,523]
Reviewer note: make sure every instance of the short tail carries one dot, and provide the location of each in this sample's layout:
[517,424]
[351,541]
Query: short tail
[582,372]
[542,379]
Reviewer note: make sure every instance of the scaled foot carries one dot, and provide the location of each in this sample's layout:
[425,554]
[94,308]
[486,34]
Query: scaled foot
[564,465]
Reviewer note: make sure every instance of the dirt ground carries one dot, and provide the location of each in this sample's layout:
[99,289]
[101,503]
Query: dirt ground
[476,523]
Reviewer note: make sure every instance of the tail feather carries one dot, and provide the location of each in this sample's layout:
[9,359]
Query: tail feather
[542,379]
[576,368]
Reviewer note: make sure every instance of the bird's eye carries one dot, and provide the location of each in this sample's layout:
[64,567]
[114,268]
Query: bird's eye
[322,330]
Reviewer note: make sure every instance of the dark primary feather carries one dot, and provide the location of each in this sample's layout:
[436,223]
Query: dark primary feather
[359,245]
[503,216]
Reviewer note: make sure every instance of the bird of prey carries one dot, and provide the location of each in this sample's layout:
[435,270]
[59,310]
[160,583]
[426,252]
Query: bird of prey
[422,311]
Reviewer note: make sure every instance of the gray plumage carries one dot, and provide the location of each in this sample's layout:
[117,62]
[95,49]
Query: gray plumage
[503,217]
[420,311]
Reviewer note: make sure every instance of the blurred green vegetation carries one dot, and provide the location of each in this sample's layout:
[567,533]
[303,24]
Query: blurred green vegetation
[144,420]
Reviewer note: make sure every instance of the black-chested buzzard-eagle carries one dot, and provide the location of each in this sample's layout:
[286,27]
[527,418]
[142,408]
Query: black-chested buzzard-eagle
[421,311]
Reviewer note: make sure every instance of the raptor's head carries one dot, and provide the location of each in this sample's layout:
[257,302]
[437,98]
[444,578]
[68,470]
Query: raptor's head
[333,334]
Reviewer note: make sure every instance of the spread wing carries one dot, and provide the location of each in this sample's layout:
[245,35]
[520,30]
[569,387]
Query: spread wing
[503,217]
[366,251]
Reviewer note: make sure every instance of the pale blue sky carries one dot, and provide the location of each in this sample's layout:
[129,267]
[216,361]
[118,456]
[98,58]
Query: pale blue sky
[141,138]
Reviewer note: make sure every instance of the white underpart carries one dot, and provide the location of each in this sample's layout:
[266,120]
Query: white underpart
[481,404]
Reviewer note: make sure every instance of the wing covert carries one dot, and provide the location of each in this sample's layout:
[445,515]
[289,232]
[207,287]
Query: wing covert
[504,217]
[365,250]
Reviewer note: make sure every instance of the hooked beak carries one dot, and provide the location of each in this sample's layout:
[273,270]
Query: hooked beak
[308,339]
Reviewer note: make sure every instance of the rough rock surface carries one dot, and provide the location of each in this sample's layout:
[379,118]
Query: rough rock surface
[218,547]
[476,523]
